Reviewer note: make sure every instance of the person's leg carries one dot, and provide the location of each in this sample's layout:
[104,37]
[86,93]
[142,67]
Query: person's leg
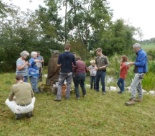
[91,82]
[34,83]
[12,105]
[97,80]
[25,79]
[82,81]
[61,80]
[69,81]
[134,85]
[77,80]
[122,82]
[119,84]
[94,82]
[139,89]
[103,74]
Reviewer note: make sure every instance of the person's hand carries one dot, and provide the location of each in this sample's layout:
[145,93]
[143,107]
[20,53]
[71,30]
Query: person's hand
[26,63]
[131,63]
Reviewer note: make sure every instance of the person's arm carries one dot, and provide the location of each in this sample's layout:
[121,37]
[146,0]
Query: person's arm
[59,61]
[11,95]
[20,65]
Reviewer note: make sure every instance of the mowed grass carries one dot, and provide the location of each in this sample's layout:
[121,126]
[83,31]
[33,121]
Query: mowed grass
[94,115]
[148,47]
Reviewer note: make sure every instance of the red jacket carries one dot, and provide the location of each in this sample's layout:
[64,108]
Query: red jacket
[123,70]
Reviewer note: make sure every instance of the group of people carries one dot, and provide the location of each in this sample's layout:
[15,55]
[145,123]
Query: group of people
[21,99]
[73,68]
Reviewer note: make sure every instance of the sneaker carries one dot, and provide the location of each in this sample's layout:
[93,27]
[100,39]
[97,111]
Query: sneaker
[58,100]
[138,100]
[18,116]
[104,93]
[130,102]
[29,115]
[84,95]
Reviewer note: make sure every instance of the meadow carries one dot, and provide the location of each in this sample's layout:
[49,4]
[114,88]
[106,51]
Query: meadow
[148,47]
[95,114]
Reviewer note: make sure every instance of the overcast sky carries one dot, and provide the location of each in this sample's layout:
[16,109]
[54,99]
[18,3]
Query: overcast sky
[138,13]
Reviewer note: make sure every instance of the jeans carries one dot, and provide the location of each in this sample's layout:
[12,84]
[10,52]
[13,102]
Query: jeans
[136,86]
[62,77]
[79,80]
[25,78]
[93,82]
[100,75]
[34,83]
[120,84]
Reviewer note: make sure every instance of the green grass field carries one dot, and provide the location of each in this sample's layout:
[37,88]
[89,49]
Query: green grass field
[148,47]
[95,115]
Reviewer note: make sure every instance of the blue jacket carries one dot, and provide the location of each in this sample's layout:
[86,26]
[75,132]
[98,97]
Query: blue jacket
[141,61]
[33,69]
[66,60]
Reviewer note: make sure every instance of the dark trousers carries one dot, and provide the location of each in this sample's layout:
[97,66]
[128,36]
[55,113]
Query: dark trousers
[100,75]
[80,80]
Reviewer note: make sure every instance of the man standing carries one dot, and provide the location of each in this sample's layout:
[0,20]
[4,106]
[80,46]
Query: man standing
[40,65]
[66,60]
[21,99]
[101,63]
[140,69]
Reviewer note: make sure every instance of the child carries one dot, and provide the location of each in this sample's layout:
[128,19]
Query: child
[92,70]
[123,72]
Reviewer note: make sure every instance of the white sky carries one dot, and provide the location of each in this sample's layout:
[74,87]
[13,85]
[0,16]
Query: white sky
[138,13]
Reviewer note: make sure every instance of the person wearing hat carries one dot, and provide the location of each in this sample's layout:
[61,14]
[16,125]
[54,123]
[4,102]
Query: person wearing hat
[22,65]
[92,70]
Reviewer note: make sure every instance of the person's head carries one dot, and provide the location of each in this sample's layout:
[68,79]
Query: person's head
[34,54]
[92,62]
[38,53]
[19,78]
[67,47]
[78,58]
[24,54]
[124,58]
[99,51]
[136,47]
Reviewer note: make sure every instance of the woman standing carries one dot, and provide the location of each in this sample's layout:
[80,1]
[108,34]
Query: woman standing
[34,72]
[22,65]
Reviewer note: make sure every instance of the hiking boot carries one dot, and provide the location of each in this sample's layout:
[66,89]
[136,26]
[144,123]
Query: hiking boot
[138,100]
[18,116]
[130,102]
[29,115]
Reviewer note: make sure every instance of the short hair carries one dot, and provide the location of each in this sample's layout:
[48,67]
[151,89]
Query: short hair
[33,53]
[24,53]
[136,45]
[19,77]
[124,58]
[67,46]
[99,49]
[78,58]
